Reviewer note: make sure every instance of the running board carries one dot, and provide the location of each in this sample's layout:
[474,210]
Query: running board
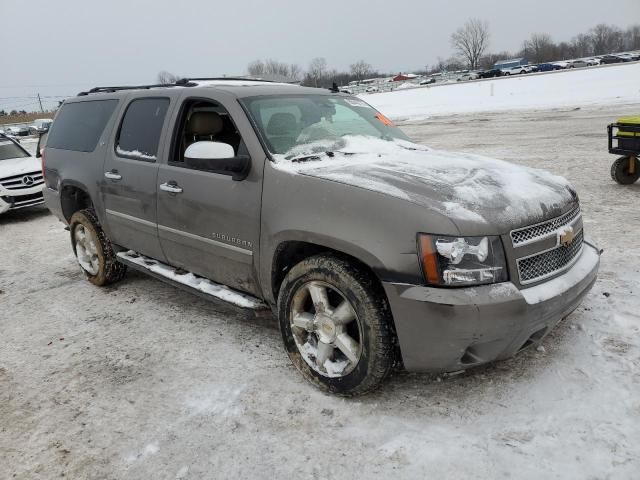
[200,286]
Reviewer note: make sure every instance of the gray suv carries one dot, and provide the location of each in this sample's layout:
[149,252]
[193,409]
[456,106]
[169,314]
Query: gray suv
[374,252]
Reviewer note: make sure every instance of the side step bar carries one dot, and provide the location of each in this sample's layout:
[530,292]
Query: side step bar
[192,283]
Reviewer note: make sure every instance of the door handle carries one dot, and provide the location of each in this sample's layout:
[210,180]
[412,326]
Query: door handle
[171,187]
[113,175]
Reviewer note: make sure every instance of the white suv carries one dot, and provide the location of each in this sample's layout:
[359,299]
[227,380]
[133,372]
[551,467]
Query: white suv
[21,181]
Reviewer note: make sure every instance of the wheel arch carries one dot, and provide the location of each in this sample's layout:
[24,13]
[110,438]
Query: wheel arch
[291,251]
[74,196]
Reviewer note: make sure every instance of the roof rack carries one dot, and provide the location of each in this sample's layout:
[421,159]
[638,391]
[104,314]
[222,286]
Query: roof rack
[183,82]
[189,82]
[127,87]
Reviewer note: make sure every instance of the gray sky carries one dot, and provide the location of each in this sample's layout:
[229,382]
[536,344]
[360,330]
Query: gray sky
[64,46]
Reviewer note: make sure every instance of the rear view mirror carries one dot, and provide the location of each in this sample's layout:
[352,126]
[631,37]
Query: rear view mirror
[217,157]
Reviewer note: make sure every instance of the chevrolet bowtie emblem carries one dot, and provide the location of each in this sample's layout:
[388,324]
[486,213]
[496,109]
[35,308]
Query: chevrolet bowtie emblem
[566,236]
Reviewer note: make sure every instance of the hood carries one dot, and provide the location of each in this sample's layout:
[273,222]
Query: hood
[468,189]
[18,166]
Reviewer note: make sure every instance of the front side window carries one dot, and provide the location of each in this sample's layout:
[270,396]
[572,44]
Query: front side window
[141,127]
[9,150]
[294,125]
[204,120]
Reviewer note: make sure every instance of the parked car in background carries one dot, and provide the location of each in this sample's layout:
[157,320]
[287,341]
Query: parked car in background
[40,125]
[468,76]
[494,72]
[629,57]
[518,70]
[19,131]
[372,89]
[427,81]
[578,64]
[21,181]
[592,61]
[548,67]
[609,59]
[346,90]
[563,64]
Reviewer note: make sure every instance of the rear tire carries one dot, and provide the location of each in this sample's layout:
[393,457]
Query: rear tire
[93,249]
[353,311]
[620,171]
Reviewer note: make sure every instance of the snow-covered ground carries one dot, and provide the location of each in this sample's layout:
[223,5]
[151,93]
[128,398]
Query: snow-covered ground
[606,85]
[142,380]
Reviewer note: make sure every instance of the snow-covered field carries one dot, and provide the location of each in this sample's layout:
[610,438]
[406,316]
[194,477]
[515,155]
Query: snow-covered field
[142,380]
[606,85]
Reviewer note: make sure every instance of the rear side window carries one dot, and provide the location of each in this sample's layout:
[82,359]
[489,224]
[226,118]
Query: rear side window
[141,128]
[79,125]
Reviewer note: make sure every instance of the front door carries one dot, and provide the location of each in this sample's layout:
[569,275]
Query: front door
[130,176]
[209,223]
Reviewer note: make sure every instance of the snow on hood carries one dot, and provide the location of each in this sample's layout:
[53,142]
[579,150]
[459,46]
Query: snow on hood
[18,166]
[458,185]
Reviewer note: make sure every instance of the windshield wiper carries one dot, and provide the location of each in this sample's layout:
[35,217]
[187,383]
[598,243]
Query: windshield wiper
[305,158]
[312,157]
[318,156]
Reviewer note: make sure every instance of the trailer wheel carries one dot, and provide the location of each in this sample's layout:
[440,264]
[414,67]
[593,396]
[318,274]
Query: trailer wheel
[622,172]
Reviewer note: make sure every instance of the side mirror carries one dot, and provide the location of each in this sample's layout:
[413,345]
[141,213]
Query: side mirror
[217,157]
[42,140]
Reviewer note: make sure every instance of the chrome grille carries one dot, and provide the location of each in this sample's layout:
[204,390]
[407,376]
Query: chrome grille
[532,233]
[545,264]
[16,182]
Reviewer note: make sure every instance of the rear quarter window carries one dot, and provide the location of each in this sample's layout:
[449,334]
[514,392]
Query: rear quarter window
[79,125]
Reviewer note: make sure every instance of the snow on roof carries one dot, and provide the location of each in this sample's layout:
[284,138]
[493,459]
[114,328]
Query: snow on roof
[236,83]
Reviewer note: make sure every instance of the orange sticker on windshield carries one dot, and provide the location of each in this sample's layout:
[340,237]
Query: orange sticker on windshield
[384,119]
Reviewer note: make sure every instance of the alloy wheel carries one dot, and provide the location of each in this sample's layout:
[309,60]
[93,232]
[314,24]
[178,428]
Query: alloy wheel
[326,329]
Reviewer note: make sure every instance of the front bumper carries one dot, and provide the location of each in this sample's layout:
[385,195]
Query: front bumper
[445,330]
[23,198]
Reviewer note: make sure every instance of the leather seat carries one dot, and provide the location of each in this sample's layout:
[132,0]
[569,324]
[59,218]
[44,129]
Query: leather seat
[203,126]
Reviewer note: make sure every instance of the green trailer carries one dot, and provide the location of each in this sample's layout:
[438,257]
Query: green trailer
[624,140]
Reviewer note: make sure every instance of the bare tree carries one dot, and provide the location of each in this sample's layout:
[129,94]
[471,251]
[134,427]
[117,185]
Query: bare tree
[317,70]
[606,39]
[471,41]
[582,45]
[632,36]
[540,48]
[274,67]
[256,68]
[166,78]
[295,72]
[361,69]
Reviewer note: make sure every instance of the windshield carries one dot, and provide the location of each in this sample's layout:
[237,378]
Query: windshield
[10,150]
[297,125]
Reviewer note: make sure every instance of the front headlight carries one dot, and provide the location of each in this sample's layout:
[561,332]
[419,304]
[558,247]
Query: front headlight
[461,261]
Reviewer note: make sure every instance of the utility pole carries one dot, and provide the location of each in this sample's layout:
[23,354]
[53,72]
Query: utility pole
[40,101]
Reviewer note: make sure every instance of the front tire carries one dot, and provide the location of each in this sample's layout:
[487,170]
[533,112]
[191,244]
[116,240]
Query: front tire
[620,170]
[93,250]
[336,325]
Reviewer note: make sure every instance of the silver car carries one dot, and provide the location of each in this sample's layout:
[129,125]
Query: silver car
[374,252]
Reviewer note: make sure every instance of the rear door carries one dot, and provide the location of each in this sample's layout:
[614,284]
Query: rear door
[208,223]
[130,174]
